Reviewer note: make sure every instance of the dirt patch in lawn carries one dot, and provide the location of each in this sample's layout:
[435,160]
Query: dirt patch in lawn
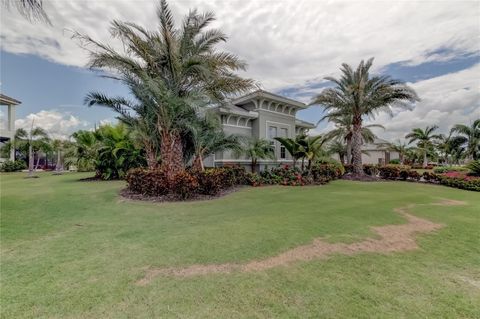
[392,238]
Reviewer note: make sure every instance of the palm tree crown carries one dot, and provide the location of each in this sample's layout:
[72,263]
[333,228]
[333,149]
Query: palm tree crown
[357,94]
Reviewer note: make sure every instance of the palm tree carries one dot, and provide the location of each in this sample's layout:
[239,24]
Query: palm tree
[451,147]
[36,140]
[293,147]
[401,148]
[178,70]
[83,152]
[58,145]
[339,148]
[471,137]
[208,137]
[359,95]
[344,131]
[312,148]
[30,9]
[255,149]
[425,139]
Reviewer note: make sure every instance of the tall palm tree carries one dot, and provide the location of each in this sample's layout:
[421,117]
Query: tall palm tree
[256,149]
[208,137]
[358,94]
[57,146]
[425,140]
[451,147]
[37,137]
[179,68]
[471,137]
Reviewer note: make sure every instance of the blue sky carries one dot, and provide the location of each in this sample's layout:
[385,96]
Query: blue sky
[290,48]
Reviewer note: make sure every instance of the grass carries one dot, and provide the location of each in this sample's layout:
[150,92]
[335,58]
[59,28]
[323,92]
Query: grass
[72,249]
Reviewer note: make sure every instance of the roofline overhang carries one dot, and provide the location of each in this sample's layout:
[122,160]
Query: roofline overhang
[271,96]
[6,100]
[249,114]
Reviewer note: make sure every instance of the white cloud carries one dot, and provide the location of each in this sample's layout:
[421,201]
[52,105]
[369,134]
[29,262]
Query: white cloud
[285,42]
[58,125]
[446,100]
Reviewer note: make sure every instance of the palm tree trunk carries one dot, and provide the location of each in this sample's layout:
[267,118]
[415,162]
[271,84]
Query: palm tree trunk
[357,149]
[151,155]
[425,159]
[349,151]
[38,160]
[171,151]
[342,158]
[254,165]
[198,163]
[58,167]
[30,160]
[303,163]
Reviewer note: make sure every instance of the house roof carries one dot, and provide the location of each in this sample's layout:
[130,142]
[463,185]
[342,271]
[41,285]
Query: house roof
[6,100]
[377,145]
[305,124]
[236,110]
[267,95]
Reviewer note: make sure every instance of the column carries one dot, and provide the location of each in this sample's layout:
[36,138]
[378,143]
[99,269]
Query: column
[11,128]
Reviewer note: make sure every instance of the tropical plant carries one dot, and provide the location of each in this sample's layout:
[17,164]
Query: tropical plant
[208,137]
[177,70]
[343,131]
[312,148]
[359,95]
[293,147]
[451,148]
[255,149]
[117,152]
[401,148]
[474,167]
[425,140]
[83,152]
[339,148]
[470,135]
[58,146]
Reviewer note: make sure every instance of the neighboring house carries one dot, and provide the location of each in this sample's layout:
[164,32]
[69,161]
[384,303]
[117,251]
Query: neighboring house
[7,133]
[261,115]
[378,153]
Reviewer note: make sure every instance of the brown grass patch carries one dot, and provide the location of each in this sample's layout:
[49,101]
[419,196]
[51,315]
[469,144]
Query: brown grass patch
[392,238]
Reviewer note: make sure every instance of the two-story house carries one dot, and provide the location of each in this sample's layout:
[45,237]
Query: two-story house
[261,115]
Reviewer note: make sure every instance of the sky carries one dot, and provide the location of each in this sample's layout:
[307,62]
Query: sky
[290,47]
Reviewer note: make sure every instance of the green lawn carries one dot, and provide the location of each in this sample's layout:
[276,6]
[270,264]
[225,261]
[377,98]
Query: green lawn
[72,249]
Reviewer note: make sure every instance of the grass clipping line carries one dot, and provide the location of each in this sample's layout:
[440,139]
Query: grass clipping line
[393,238]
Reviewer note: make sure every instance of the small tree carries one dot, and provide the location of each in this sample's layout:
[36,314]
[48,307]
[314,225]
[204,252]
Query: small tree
[256,149]
[425,139]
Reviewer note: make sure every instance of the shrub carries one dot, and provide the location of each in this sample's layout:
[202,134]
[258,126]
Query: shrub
[329,160]
[465,182]
[445,169]
[430,177]
[348,168]
[403,174]
[12,166]
[322,173]
[213,181]
[474,167]
[413,175]
[184,185]
[389,171]
[370,169]
[282,176]
[147,182]
[394,161]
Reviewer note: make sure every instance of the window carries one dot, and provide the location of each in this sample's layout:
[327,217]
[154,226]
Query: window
[283,153]
[272,132]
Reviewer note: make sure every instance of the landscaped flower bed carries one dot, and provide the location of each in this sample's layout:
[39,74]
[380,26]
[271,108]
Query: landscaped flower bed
[215,181]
